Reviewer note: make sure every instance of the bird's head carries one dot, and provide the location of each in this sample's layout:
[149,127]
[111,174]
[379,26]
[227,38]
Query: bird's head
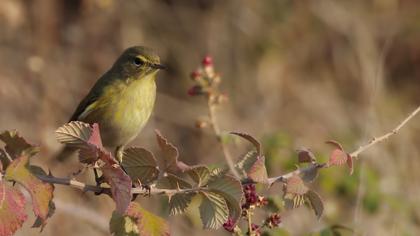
[137,62]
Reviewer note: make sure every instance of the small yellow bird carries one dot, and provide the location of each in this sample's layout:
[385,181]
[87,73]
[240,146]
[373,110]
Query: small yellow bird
[122,100]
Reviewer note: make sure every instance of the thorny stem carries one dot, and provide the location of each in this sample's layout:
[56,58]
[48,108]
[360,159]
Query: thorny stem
[217,132]
[355,154]
[156,191]
[99,189]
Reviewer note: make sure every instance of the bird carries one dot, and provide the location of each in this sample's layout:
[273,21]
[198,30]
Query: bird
[121,101]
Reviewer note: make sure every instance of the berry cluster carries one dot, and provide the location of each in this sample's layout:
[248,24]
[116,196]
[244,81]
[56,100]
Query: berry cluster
[252,199]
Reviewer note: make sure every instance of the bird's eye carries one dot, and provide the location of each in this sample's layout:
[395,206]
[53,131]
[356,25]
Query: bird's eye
[137,61]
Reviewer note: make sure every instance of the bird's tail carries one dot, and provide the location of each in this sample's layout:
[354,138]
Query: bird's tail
[65,154]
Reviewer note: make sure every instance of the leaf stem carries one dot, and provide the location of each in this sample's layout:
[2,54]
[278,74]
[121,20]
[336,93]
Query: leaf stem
[217,132]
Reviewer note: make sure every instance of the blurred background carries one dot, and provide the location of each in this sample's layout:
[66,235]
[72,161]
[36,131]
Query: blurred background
[297,73]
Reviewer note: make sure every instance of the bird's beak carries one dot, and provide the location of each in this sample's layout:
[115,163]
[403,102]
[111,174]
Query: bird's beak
[159,66]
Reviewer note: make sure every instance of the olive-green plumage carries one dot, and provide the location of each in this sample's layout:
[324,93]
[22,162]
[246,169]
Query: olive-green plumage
[122,100]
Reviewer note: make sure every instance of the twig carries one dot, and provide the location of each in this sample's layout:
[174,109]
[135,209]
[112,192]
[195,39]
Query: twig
[99,189]
[354,154]
[382,138]
[216,129]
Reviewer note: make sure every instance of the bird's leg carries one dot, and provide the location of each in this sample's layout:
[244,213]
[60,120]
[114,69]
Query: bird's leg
[119,153]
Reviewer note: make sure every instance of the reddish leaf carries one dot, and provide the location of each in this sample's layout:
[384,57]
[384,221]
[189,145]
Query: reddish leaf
[258,172]
[12,210]
[339,157]
[16,145]
[335,144]
[251,139]
[84,136]
[41,193]
[305,155]
[170,155]
[119,181]
[350,163]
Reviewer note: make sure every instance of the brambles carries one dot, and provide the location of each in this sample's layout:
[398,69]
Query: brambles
[229,196]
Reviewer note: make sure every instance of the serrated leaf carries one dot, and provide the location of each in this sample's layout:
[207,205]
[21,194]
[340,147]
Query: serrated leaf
[316,203]
[84,136]
[179,202]
[120,184]
[251,139]
[12,209]
[305,155]
[140,165]
[147,223]
[231,189]
[339,157]
[295,185]
[41,193]
[253,167]
[258,172]
[77,134]
[170,155]
[199,174]
[16,145]
[172,182]
[310,174]
[213,210]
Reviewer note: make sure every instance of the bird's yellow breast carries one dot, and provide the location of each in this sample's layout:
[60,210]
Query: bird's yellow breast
[123,109]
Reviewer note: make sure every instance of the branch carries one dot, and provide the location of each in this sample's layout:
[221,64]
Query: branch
[354,154]
[100,189]
[217,132]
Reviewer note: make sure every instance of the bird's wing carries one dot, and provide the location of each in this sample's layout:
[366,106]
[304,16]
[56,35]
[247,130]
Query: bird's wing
[85,105]
[88,103]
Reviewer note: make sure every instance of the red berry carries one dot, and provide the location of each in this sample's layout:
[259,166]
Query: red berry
[207,61]
[195,75]
[195,90]
[229,225]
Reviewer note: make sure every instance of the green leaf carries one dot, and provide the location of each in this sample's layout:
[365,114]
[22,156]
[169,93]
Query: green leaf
[140,165]
[172,182]
[179,202]
[41,193]
[16,145]
[231,189]
[316,202]
[12,209]
[214,211]
[200,174]
[310,174]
